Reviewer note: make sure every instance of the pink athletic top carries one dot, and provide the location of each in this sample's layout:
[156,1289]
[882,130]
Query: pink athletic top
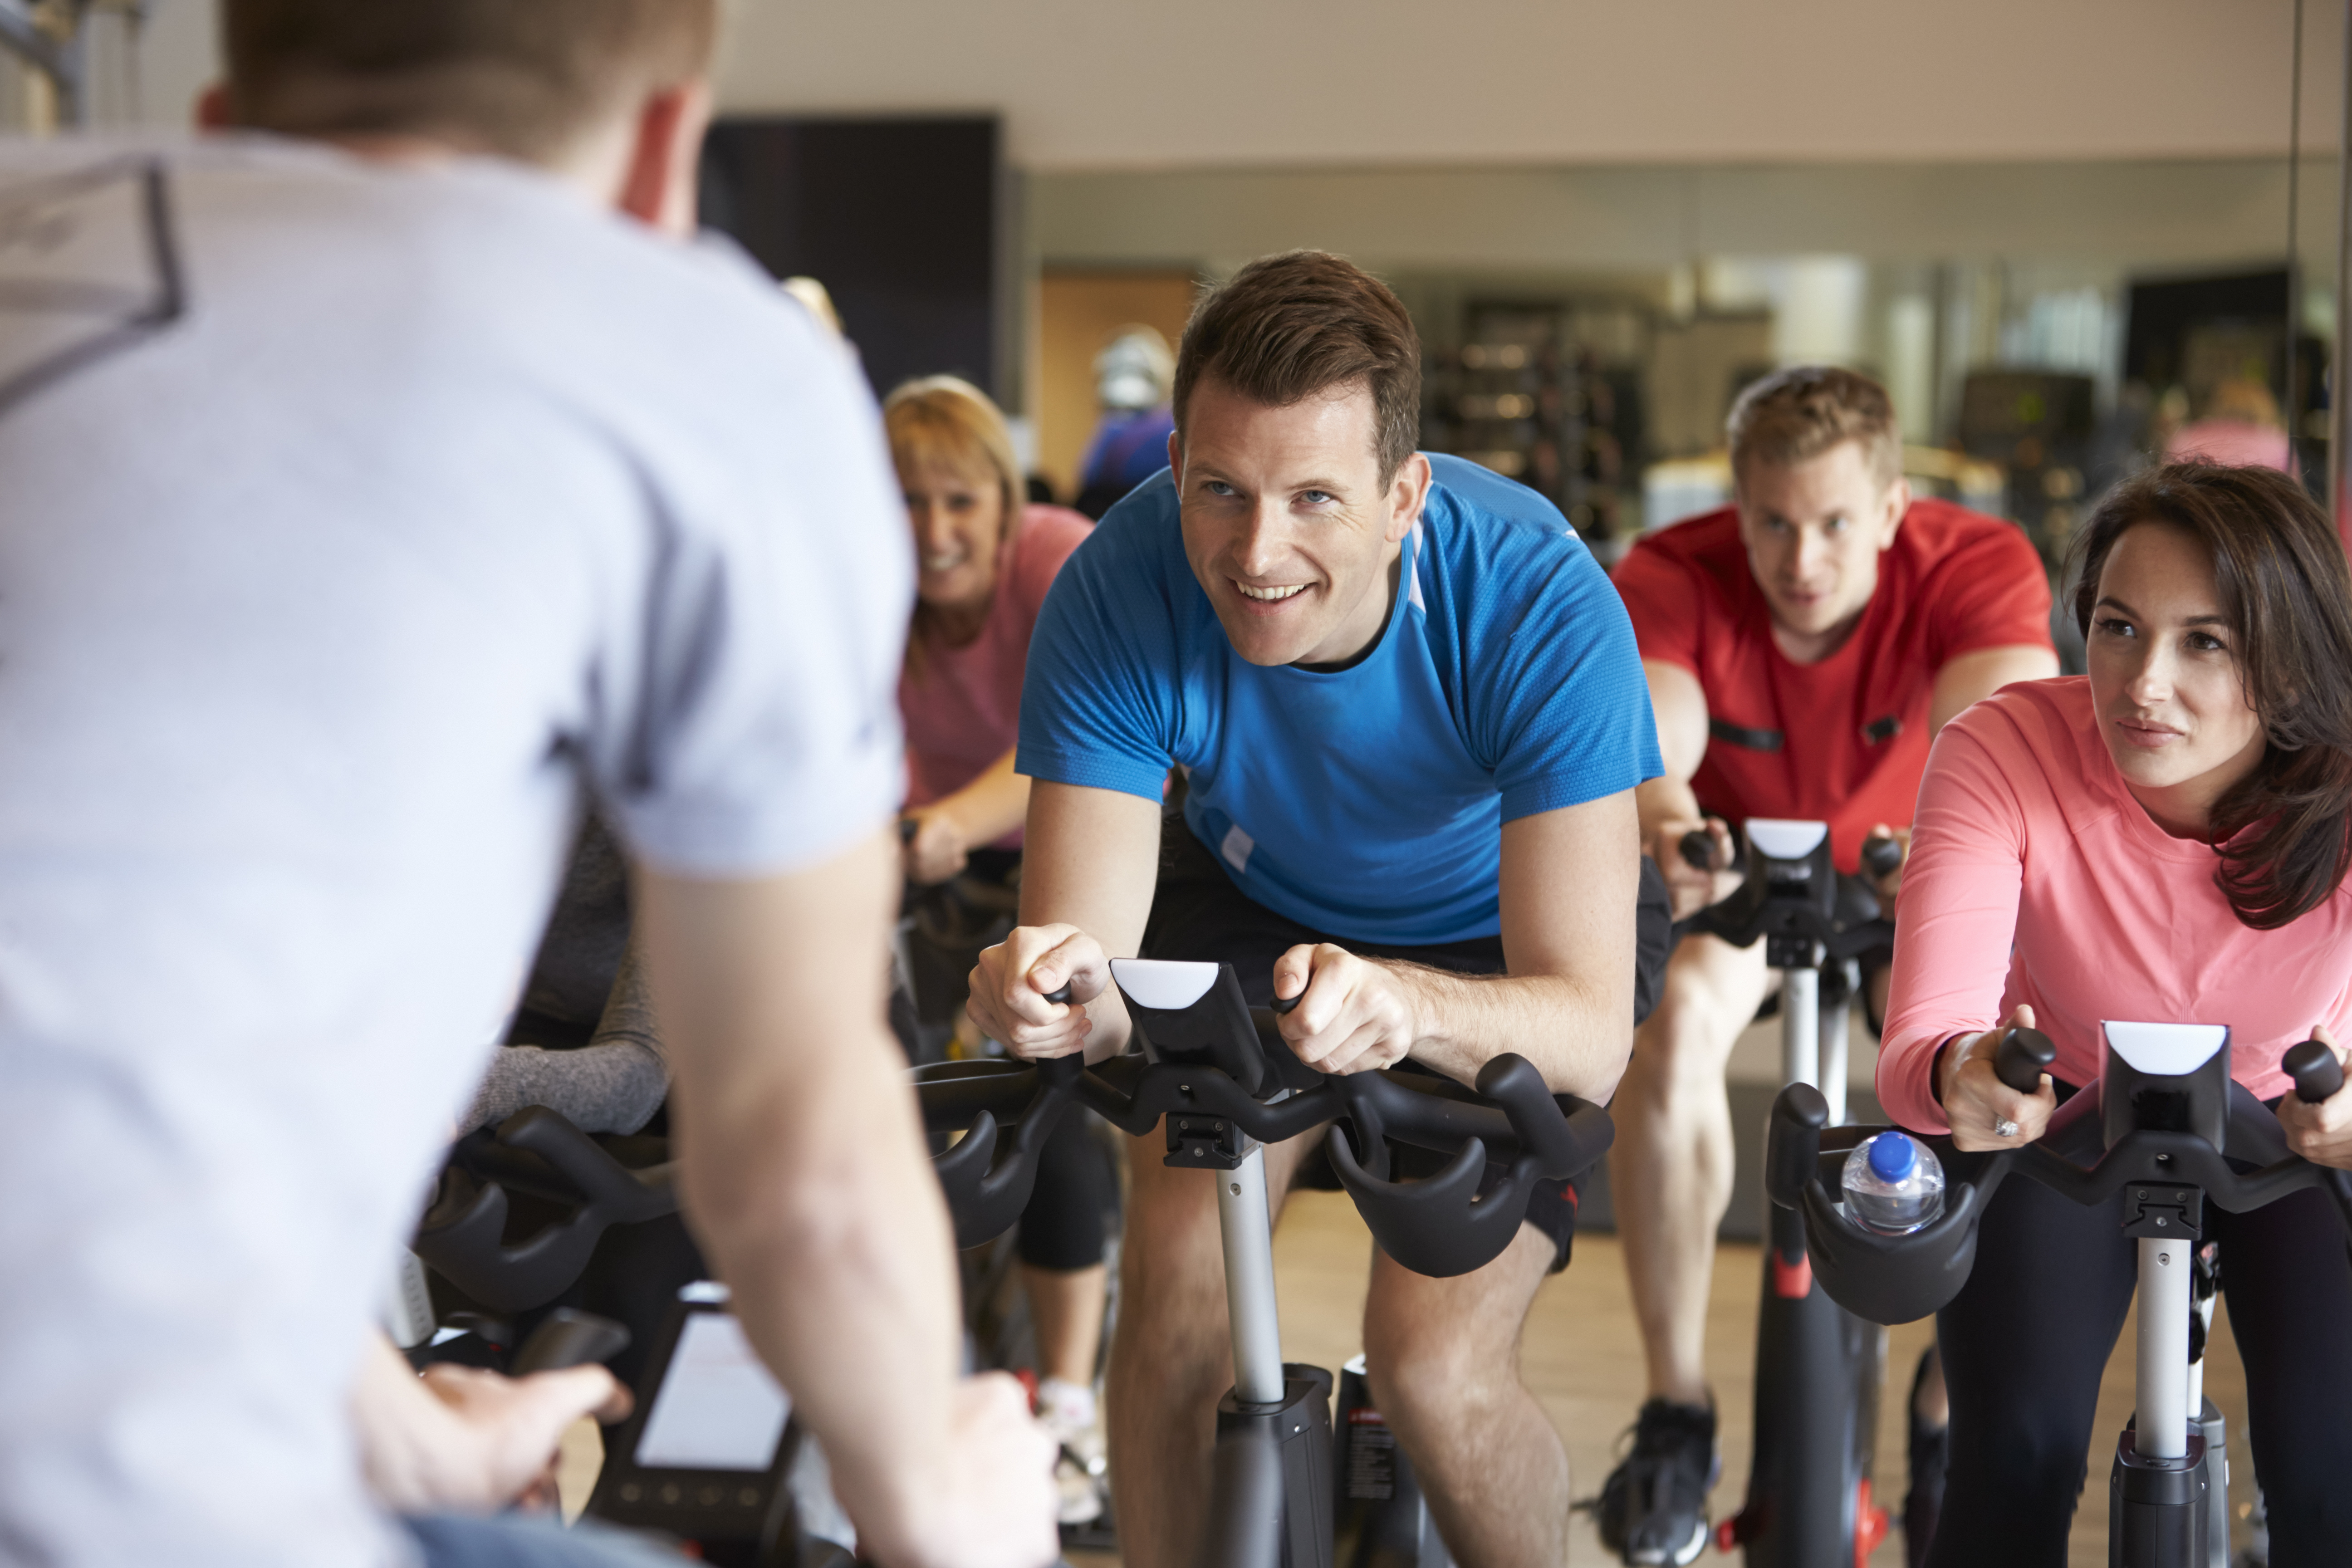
[965,712]
[2034,877]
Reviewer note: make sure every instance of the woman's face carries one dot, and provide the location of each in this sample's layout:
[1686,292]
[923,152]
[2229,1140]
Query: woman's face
[2165,680]
[957,512]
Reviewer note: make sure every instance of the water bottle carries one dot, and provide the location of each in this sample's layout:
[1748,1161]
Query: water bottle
[1894,1185]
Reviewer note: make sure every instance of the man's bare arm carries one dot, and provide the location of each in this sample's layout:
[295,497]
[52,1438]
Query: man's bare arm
[1569,878]
[1971,678]
[807,1180]
[1089,863]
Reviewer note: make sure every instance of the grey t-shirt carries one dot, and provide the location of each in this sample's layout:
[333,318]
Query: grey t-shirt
[355,516]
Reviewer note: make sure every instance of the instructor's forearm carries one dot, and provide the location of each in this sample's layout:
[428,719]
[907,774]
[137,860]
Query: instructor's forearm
[816,1201]
[1577,1037]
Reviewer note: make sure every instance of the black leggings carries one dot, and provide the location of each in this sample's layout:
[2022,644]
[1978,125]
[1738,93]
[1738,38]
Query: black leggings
[2027,1339]
[1075,1198]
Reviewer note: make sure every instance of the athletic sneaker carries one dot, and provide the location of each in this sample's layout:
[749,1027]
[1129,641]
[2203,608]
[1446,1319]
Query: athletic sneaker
[1080,1475]
[1652,1508]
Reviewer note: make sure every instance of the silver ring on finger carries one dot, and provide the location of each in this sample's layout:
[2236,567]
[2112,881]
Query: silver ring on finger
[2002,1127]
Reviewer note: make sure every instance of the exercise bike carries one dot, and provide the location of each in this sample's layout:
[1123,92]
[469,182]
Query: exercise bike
[1219,1076]
[519,1211]
[2164,1121]
[1818,1367]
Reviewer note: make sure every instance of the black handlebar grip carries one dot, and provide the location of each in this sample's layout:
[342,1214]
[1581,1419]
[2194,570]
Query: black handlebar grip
[2023,1056]
[1287,1004]
[1792,1146]
[908,828]
[569,1337]
[1698,848]
[2316,1072]
[1060,995]
[1881,855]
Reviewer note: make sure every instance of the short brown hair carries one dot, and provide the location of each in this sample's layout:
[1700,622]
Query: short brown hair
[1794,415]
[1286,327]
[522,77]
[2285,831]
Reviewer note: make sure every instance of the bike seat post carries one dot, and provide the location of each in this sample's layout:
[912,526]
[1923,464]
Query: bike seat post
[1248,1231]
[2164,1413]
[1801,1041]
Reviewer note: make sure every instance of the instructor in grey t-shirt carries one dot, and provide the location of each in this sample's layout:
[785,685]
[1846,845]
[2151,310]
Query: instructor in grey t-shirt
[369,493]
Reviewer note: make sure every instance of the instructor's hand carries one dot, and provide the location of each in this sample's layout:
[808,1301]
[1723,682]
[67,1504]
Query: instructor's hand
[1975,1099]
[2321,1133]
[990,1499]
[1010,983]
[1357,1015]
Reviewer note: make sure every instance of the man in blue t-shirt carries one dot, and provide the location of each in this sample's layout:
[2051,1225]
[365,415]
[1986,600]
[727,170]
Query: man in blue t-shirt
[1409,716]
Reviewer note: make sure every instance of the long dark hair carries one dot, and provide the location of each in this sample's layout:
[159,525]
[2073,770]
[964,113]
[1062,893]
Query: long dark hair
[2283,831]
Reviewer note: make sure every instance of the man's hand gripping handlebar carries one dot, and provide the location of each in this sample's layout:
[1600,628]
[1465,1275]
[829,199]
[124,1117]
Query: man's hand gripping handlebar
[1219,1074]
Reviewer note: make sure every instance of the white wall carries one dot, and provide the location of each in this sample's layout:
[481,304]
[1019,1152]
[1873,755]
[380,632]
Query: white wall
[1144,84]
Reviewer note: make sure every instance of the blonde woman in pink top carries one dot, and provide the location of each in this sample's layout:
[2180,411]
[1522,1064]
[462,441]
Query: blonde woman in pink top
[985,561]
[2164,840]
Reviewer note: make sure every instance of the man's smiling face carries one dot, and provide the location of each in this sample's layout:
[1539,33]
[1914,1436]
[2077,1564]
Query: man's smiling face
[1289,522]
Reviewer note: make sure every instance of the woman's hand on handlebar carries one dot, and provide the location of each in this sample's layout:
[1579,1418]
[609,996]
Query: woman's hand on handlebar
[1355,1015]
[1976,1102]
[1012,980]
[2321,1133]
[1689,887]
[936,848]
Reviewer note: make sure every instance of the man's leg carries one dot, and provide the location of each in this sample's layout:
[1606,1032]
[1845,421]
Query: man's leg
[1443,1359]
[1670,1170]
[1172,1354]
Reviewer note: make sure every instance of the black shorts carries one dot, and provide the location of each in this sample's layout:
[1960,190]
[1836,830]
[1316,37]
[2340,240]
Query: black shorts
[1198,914]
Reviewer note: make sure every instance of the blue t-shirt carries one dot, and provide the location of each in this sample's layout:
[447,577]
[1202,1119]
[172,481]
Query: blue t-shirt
[1366,802]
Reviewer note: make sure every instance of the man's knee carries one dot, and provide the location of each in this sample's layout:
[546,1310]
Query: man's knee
[1433,1345]
[1710,997]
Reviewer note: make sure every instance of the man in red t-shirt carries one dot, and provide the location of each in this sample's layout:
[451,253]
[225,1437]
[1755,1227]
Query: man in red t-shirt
[1802,647]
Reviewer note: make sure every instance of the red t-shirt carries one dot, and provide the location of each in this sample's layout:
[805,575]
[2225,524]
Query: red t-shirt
[965,712]
[1845,740]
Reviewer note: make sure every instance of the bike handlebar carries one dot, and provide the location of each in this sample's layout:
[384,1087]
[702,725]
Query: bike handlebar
[2317,1071]
[2023,1057]
[2170,1173]
[1451,1224]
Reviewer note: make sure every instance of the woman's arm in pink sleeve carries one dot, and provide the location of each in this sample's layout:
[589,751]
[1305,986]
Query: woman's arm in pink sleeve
[1958,912]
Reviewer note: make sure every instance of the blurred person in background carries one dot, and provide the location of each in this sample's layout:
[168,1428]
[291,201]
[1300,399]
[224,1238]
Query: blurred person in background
[1134,376]
[2241,426]
[1802,647]
[984,560]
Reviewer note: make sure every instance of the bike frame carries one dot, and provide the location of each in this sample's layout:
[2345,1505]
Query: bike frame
[2165,1111]
[1818,1367]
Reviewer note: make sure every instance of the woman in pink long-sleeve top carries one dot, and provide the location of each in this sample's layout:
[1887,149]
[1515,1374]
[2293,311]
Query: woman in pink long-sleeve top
[2163,840]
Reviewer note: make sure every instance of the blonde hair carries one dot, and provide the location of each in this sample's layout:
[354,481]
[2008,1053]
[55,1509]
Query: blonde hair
[1797,415]
[946,420]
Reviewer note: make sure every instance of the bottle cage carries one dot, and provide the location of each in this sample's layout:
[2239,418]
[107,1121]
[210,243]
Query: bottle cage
[2153,1132]
[535,1151]
[1221,1070]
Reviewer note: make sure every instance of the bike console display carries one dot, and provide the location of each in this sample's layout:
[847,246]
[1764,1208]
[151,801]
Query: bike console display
[704,1456]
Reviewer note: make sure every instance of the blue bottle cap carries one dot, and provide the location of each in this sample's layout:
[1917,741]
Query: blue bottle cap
[1893,1156]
